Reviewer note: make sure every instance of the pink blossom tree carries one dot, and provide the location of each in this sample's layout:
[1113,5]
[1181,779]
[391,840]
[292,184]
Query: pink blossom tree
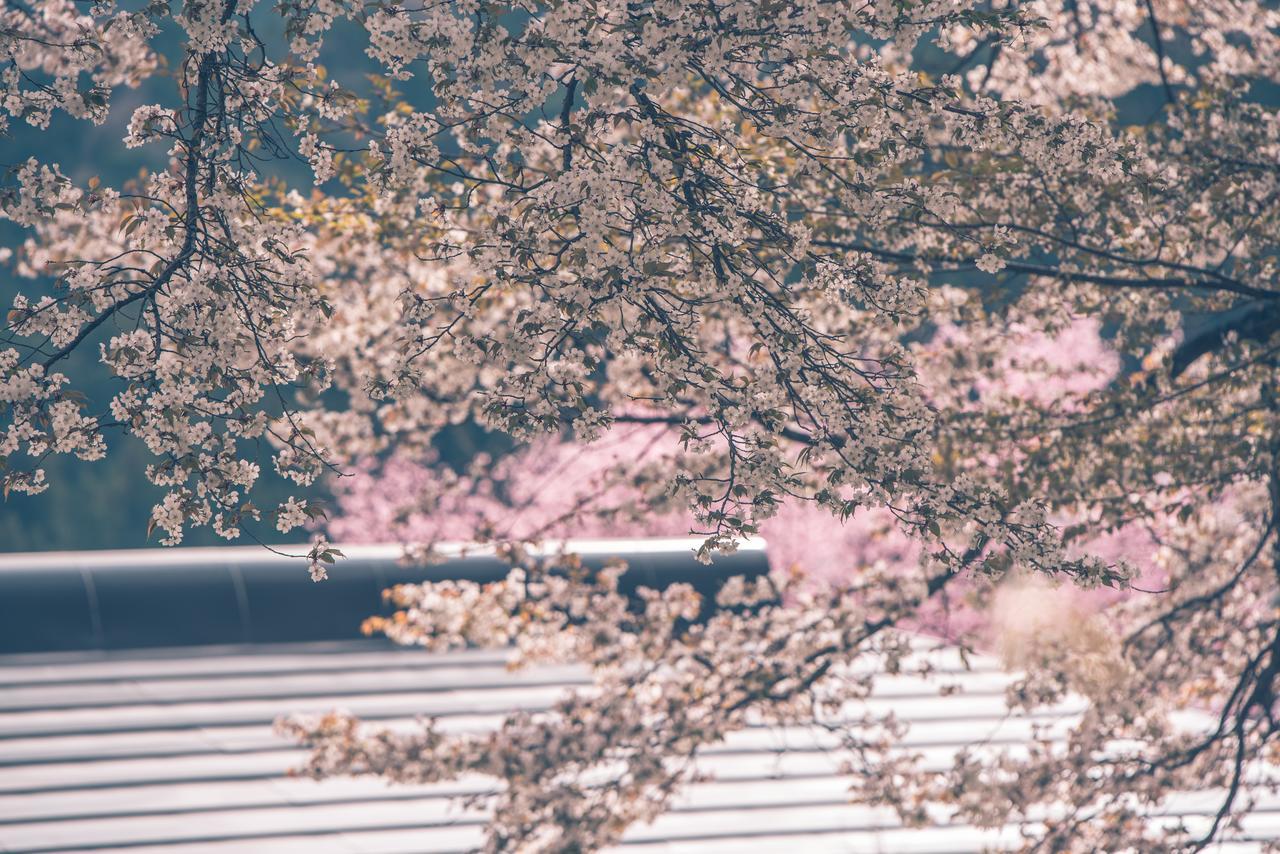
[828,252]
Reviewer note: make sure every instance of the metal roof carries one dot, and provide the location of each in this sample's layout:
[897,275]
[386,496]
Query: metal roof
[173,750]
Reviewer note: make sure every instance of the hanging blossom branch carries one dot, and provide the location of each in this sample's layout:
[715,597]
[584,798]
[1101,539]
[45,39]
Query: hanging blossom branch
[666,683]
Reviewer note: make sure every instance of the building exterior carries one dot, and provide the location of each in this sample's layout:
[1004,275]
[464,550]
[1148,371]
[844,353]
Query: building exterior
[132,742]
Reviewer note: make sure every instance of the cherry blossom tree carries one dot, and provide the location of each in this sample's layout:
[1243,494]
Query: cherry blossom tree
[827,252]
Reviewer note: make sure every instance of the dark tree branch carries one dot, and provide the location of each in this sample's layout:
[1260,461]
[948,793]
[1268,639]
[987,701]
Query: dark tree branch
[1159,45]
[962,264]
[1253,320]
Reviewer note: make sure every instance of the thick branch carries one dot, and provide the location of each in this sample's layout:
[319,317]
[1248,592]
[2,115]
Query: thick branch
[1254,320]
[190,217]
[958,264]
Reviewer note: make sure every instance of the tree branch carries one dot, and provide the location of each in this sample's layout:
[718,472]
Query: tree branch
[960,264]
[1159,45]
[1251,321]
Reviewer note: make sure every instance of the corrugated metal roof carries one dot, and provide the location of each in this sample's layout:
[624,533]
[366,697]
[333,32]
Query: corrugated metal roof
[173,751]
